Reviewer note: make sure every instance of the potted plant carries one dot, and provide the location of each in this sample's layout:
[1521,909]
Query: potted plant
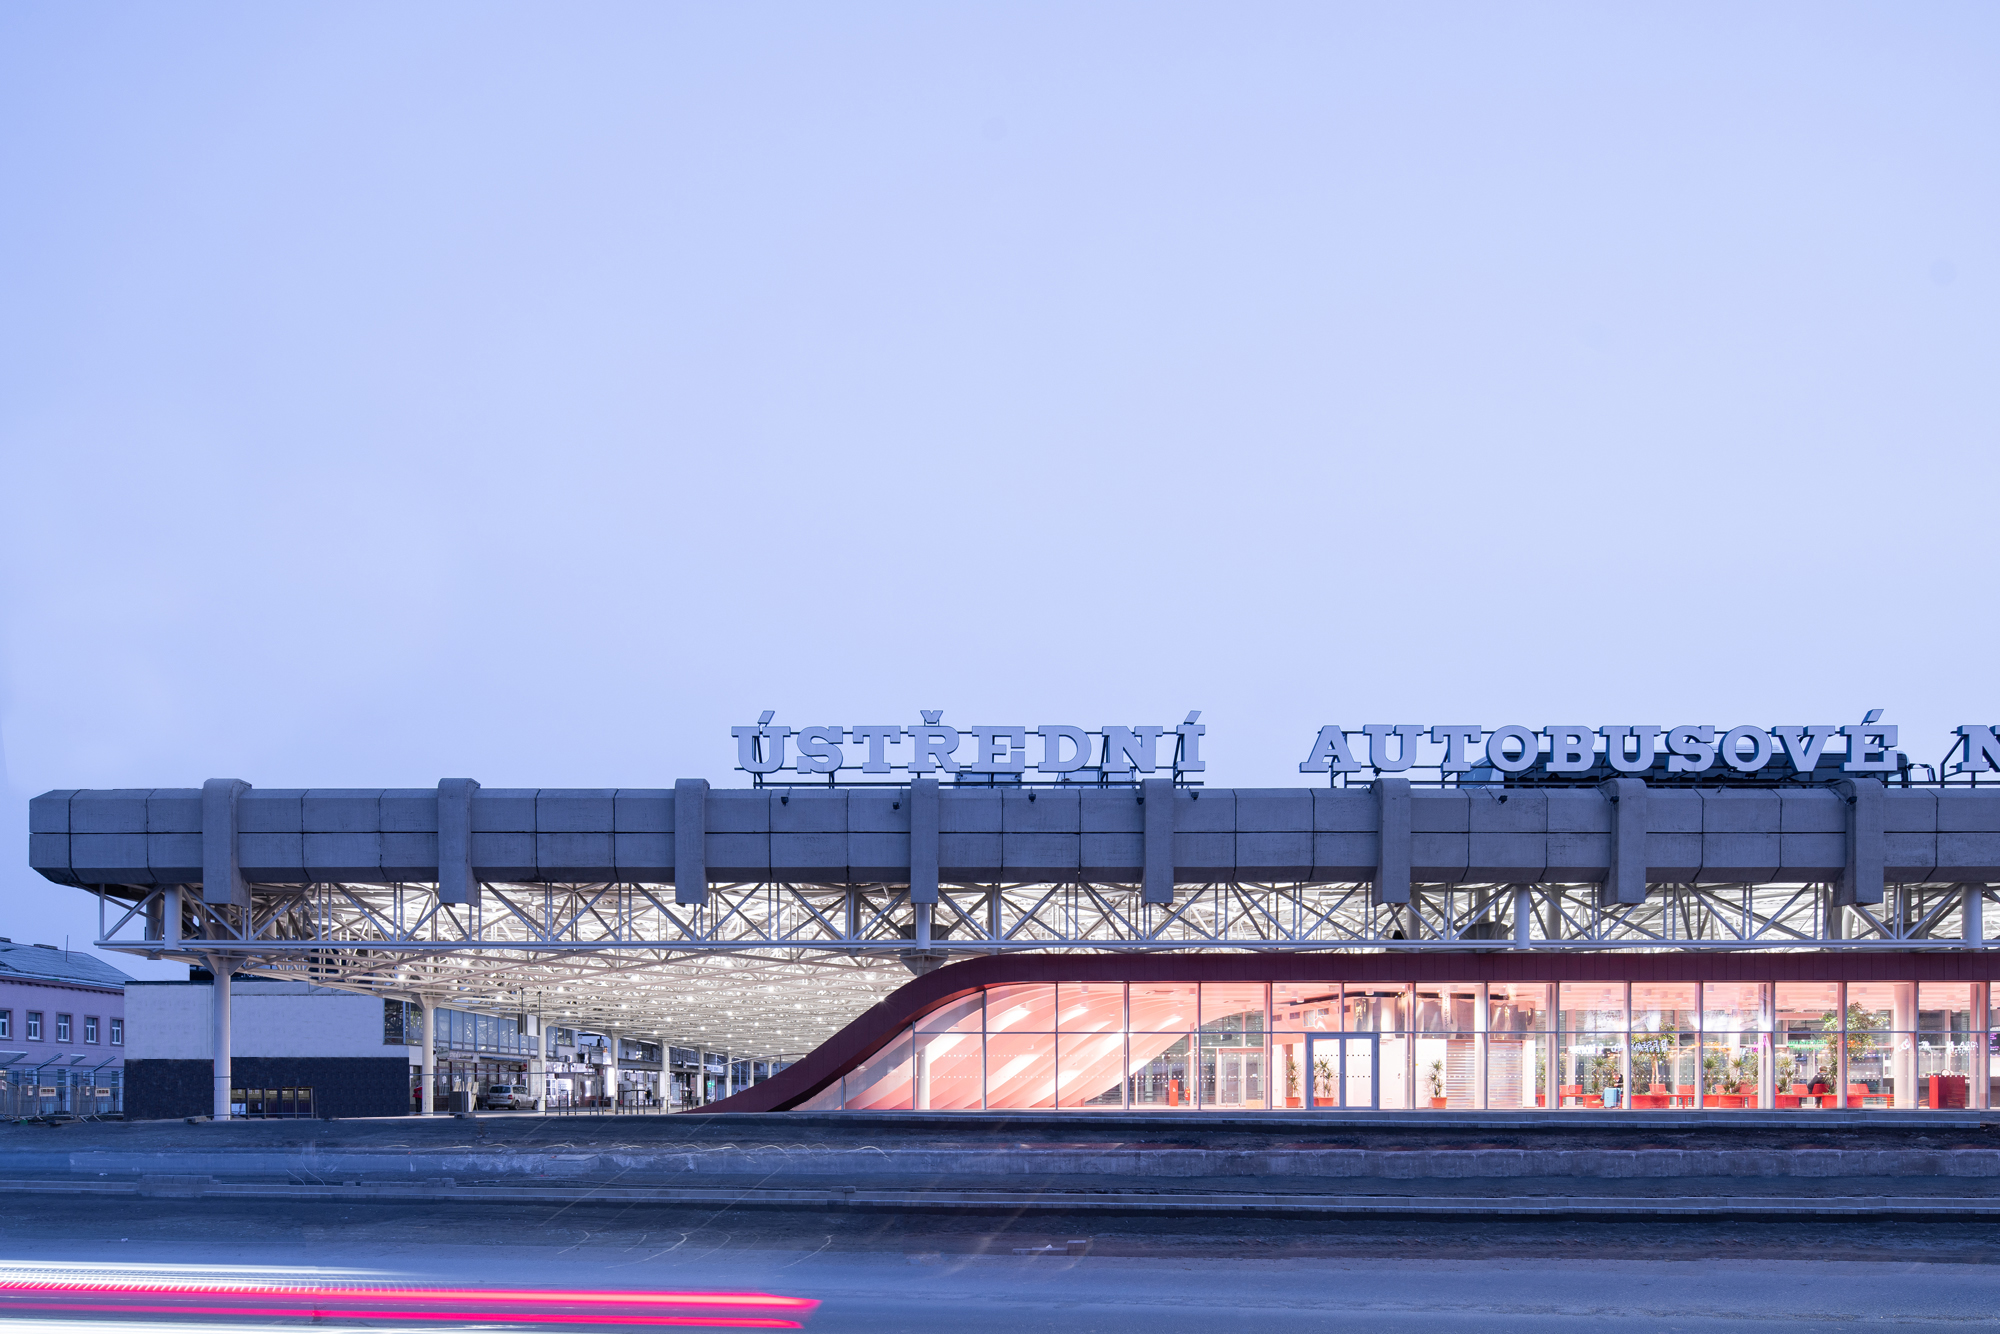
[1788,1072]
[1323,1080]
[1436,1074]
[1712,1068]
[1291,1079]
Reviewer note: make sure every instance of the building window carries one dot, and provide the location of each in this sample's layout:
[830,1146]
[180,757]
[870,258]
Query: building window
[34,1025]
[117,1032]
[62,1028]
[90,1028]
[6,1023]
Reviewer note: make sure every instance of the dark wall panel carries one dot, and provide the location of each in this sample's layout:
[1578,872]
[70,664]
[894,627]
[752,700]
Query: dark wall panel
[341,1085]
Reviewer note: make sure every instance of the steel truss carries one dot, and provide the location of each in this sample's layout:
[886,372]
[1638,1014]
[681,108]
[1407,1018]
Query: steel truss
[775,968]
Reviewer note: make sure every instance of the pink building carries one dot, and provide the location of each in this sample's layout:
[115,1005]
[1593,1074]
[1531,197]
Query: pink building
[62,1032]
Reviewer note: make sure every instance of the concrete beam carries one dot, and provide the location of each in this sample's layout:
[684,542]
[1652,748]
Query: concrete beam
[221,868]
[1156,797]
[457,882]
[1392,819]
[1625,878]
[691,841]
[925,815]
[1867,846]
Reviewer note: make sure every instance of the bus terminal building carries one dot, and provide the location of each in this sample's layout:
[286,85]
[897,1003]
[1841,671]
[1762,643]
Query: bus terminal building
[920,919]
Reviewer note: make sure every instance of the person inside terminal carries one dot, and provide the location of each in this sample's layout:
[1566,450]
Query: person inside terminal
[939,917]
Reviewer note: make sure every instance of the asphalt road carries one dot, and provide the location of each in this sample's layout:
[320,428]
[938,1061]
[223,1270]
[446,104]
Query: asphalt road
[877,1275]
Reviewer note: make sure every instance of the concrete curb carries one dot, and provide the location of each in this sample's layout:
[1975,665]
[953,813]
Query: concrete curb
[187,1186]
[1138,1163]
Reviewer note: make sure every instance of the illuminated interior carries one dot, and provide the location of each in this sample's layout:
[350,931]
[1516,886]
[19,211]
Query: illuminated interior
[1242,1046]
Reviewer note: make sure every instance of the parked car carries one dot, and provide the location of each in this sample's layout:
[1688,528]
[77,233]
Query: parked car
[507,1098]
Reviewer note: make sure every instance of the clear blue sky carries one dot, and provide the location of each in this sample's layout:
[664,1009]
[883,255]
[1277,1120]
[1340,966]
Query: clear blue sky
[390,392]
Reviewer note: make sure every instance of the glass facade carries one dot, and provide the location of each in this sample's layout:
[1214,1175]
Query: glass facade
[1240,1046]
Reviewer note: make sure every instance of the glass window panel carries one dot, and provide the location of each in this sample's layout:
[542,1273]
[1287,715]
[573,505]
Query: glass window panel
[1944,1007]
[948,1071]
[1732,1007]
[1517,1007]
[1023,1008]
[1159,1007]
[1291,1071]
[1160,1075]
[1232,1071]
[1664,1007]
[882,1083]
[1663,1063]
[1445,1067]
[1376,1009]
[1729,1069]
[826,1100]
[1232,1007]
[1305,1005]
[1808,1026]
[1447,1007]
[1090,1007]
[1021,1068]
[1879,1007]
[959,1016]
[1516,1071]
[1589,1068]
[1393,1054]
[1593,1007]
[1090,1068]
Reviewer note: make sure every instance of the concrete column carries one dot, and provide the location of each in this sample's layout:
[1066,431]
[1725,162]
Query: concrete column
[611,1068]
[1975,915]
[1867,849]
[1700,1045]
[429,1056]
[1524,909]
[1625,880]
[170,917]
[219,1004]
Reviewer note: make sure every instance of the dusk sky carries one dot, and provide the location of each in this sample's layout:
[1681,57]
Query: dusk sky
[531,393]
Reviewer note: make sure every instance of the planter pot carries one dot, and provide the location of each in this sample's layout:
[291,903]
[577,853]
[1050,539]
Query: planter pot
[1291,1100]
[1437,1104]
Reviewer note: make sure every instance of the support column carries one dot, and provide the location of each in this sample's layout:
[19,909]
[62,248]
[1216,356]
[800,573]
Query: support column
[1524,917]
[222,969]
[611,1068]
[1767,1048]
[1867,849]
[1903,1019]
[1482,1014]
[1979,1068]
[1625,1056]
[538,1079]
[428,1054]
[1974,915]
[170,917]
[1840,1052]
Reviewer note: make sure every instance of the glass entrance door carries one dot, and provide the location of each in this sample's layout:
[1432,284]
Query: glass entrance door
[1239,1077]
[1344,1070]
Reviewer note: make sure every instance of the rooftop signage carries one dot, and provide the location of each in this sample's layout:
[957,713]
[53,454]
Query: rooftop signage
[1059,752]
[1062,752]
[1870,746]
